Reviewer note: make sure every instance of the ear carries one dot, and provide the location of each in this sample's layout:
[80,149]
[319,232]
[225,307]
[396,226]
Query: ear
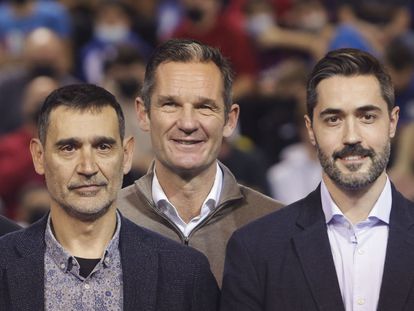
[309,129]
[36,149]
[394,116]
[142,115]
[233,117]
[128,146]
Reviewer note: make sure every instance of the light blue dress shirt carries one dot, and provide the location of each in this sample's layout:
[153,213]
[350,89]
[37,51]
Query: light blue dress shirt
[359,250]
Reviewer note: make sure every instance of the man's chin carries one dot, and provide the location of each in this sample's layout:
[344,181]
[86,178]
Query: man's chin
[87,215]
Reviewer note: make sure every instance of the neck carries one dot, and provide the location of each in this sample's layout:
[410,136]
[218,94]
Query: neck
[187,193]
[83,239]
[356,204]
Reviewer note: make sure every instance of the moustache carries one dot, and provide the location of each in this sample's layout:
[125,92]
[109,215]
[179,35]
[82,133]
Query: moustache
[353,150]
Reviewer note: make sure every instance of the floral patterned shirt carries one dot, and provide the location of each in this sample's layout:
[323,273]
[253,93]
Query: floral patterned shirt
[66,289]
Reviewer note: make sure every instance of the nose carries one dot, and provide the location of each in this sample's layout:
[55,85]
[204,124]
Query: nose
[351,133]
[87,164]
[187,120]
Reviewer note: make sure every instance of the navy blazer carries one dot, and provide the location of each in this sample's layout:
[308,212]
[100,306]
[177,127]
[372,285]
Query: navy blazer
[7,226]
[283,261]
[158,273]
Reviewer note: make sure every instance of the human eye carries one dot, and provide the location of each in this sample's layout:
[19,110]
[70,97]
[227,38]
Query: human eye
[332,120]
[104,147]
[68,148]
[207,107]
[169,104]
[368,117]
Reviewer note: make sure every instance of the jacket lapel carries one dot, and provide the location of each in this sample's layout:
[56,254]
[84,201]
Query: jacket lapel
[26,273]
[398,274]
[314,252]
[139,269]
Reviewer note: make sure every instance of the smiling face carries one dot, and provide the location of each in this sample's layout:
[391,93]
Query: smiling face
[351,130]
[187,117]
[83,161]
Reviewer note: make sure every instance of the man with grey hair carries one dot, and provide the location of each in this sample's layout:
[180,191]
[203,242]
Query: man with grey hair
[187,195]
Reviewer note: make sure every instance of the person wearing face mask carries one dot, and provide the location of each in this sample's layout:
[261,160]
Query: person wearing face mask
[112,28]
[124,75]
[45,54]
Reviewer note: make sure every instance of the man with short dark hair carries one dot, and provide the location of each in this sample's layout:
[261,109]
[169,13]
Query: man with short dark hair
[349,244]
[85,255]
[187,195]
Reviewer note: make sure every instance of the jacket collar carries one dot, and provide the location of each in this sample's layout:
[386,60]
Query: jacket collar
[398,274]
[28,268]
[314,252]
[139,268]
[230,191]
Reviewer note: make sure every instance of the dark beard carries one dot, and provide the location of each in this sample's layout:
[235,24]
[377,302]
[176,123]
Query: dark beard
[354,182]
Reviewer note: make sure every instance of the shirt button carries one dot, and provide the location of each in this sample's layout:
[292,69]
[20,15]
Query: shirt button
[361,251]
[87,286]
[62,266]
[107,260]
[360,301]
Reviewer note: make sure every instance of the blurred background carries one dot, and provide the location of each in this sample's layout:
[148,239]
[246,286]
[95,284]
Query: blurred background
[272,45]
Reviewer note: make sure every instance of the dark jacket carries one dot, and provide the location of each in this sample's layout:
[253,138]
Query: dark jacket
[158,274]
[284,261]
[238,205]
[7,226]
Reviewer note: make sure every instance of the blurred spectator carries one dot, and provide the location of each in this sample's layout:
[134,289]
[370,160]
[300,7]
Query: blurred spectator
[112,27]
[124,75]
[402,171]
[370,24]
[268,116]
[246,162]
[204,21]
[44,54]
[19,17]
[144,20]
[81,16]
[304,33]
[34,203]
[399,58]
[299,171]
[16,166]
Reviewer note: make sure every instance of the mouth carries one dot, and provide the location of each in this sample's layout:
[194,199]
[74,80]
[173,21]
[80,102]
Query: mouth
[187,142]
[87,189]
[353,158]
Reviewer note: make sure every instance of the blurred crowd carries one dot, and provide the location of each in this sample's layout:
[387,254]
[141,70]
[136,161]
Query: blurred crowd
[272,45]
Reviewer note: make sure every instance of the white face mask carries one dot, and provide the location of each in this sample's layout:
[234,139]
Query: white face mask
[259,23]
[111,33]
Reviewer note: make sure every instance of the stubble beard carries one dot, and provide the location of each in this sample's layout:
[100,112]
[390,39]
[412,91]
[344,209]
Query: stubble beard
[355,180]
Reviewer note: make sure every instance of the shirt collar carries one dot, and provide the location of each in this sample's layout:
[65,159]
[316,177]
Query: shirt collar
[381,209]
[209,204]
[61,257]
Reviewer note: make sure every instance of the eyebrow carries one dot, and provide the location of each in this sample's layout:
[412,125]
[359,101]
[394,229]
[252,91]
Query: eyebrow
[77,142]
[334,111]
[200,100]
